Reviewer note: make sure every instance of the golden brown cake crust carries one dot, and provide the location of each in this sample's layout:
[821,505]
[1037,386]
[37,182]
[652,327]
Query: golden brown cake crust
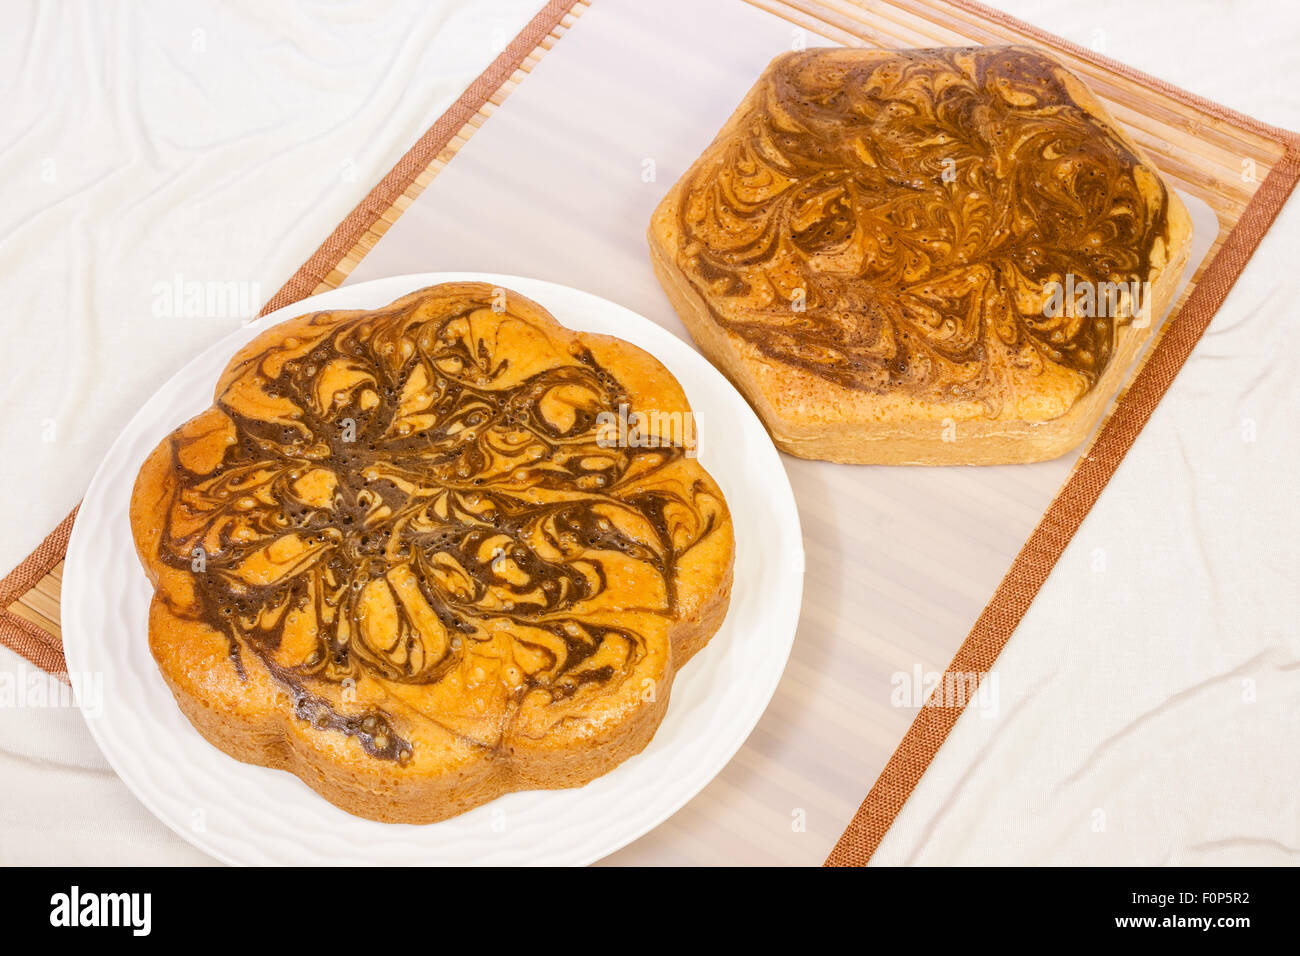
[868,246]
[403,557]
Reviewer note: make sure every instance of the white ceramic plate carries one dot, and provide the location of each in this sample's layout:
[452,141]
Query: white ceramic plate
[245,814]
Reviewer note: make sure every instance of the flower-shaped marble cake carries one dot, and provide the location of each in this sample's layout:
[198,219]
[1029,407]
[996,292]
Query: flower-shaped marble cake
[401,557]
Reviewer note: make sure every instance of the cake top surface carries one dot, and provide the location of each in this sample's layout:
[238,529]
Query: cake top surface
[894,221]
[422,509]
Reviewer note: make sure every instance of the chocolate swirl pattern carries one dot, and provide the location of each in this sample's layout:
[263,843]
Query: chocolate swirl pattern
[890,222]
[411,517]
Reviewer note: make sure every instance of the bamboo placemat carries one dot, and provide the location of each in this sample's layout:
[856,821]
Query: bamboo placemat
[1243,169]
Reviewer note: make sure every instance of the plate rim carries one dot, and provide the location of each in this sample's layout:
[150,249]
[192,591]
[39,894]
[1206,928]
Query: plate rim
[228,345]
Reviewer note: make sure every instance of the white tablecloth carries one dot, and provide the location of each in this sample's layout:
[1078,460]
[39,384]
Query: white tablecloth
[1149,703]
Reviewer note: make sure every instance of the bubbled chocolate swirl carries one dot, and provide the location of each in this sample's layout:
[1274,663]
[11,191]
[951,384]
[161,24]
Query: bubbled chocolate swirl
[394,462]
[919,203]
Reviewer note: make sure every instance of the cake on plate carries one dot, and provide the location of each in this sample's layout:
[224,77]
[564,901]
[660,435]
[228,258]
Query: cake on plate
[410,556]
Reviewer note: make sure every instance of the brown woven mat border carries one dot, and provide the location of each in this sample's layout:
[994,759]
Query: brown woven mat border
[1036,559]
[23,637]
